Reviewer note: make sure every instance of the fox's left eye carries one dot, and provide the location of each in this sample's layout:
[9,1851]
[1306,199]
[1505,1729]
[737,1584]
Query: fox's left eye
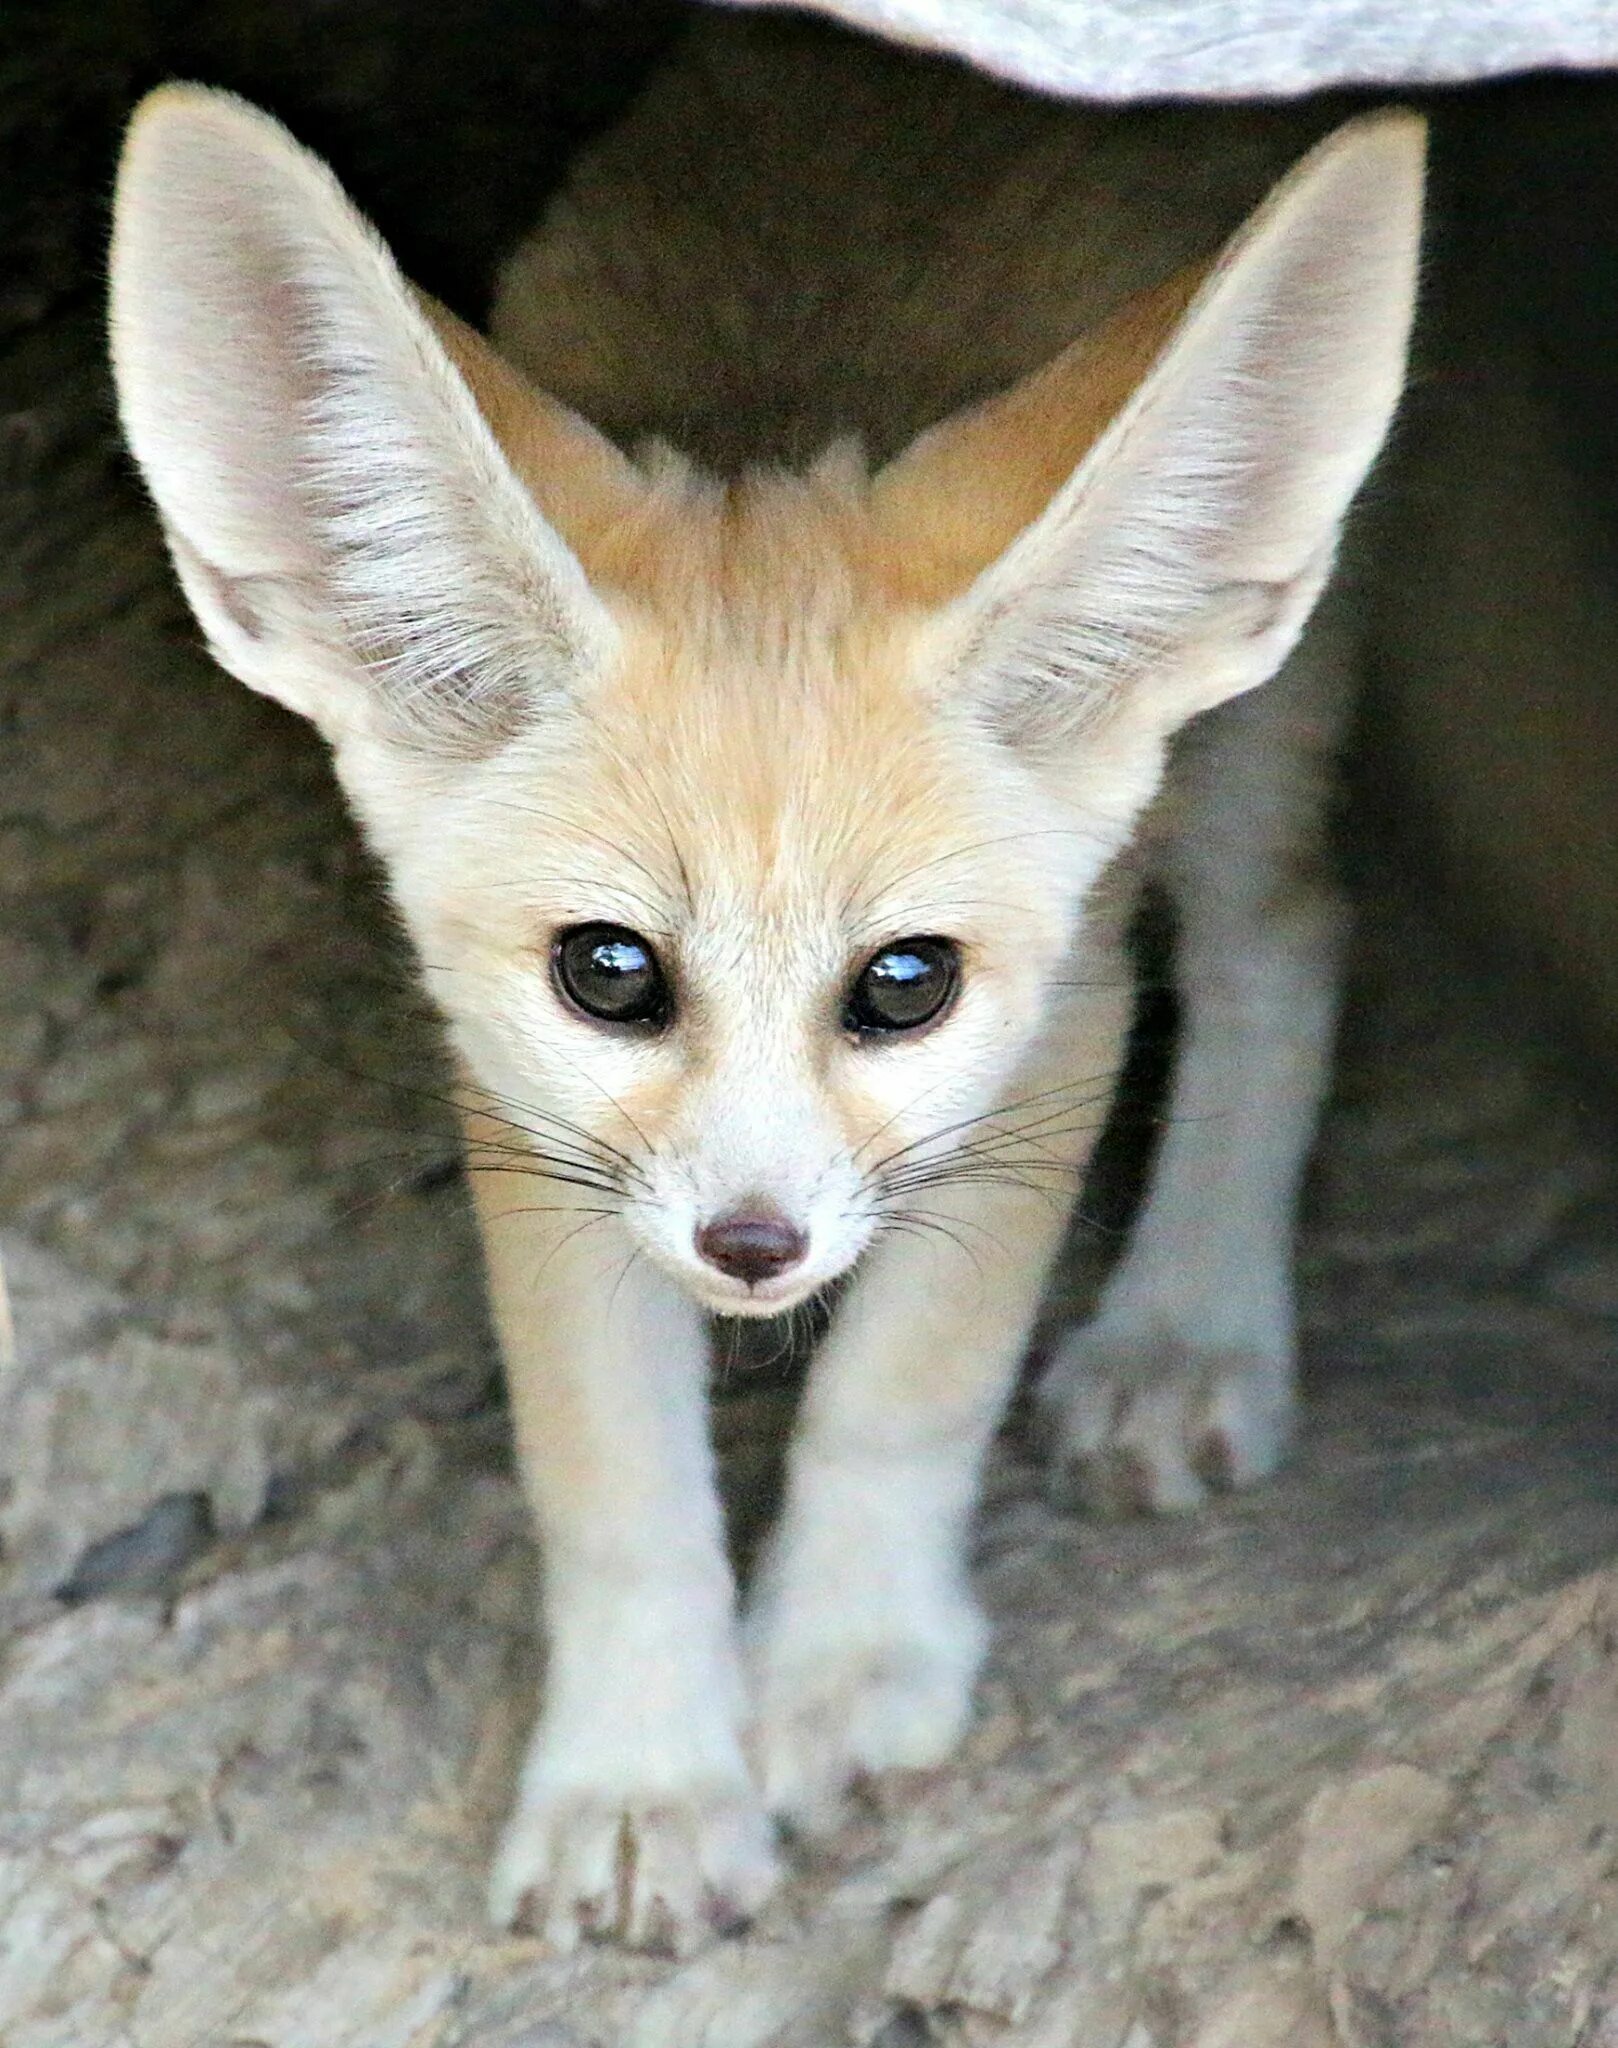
[611,974]
[904,986]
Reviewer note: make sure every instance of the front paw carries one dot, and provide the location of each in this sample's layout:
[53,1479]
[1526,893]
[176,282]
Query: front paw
[662,1868]
[835,1707]
[1142,1420]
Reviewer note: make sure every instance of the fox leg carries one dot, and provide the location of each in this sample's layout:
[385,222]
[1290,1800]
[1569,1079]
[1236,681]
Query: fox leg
[635,1815]
[863,1636]
[1184,1380]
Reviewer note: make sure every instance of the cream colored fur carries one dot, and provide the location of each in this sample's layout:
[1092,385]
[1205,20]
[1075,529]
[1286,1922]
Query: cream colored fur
[774,701]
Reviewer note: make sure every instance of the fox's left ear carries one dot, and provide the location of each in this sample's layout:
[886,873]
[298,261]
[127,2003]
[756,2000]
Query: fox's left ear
[1176,565]
[320,443]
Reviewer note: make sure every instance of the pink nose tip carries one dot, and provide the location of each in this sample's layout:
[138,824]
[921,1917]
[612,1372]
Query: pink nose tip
[753,1243]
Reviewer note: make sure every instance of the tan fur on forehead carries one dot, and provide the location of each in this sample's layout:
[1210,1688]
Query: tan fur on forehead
[746,754]
[755,557]
[744,777]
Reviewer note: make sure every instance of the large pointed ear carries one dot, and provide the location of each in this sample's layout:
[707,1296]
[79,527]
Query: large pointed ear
[349,532]
[1177,562]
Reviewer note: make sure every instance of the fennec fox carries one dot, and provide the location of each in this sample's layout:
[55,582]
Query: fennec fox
[758,801]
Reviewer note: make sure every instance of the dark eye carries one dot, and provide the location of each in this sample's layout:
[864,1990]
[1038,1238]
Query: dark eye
[904,986]
[611,973]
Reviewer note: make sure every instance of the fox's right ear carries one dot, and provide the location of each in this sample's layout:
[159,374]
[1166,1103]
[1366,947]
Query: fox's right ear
[348,530]
[1176,563]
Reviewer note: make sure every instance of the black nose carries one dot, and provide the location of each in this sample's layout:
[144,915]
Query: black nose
[753,1243]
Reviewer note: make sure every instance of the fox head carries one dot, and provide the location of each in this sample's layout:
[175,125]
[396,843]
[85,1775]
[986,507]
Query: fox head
[743,828]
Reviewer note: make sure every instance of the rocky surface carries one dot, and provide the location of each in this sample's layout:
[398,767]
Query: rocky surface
[1151,48]
[1332,1767]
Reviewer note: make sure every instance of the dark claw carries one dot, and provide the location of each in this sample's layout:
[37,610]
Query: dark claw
[591,1915]
[1213,1463]
[662,1935]
[724,1916]
[1109,1486]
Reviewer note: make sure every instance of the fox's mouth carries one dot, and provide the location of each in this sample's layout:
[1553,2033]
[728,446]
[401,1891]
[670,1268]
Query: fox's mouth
[755,1298]
[829,1249]
[777,1294]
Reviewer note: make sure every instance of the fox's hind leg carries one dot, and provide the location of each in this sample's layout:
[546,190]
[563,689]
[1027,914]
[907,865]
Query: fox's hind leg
[1183,1381]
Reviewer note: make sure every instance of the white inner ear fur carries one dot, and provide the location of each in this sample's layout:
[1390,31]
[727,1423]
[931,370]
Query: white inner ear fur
[347,529]
[1179,562]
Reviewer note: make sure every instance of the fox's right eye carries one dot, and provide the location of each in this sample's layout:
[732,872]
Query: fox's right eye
[611,974]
